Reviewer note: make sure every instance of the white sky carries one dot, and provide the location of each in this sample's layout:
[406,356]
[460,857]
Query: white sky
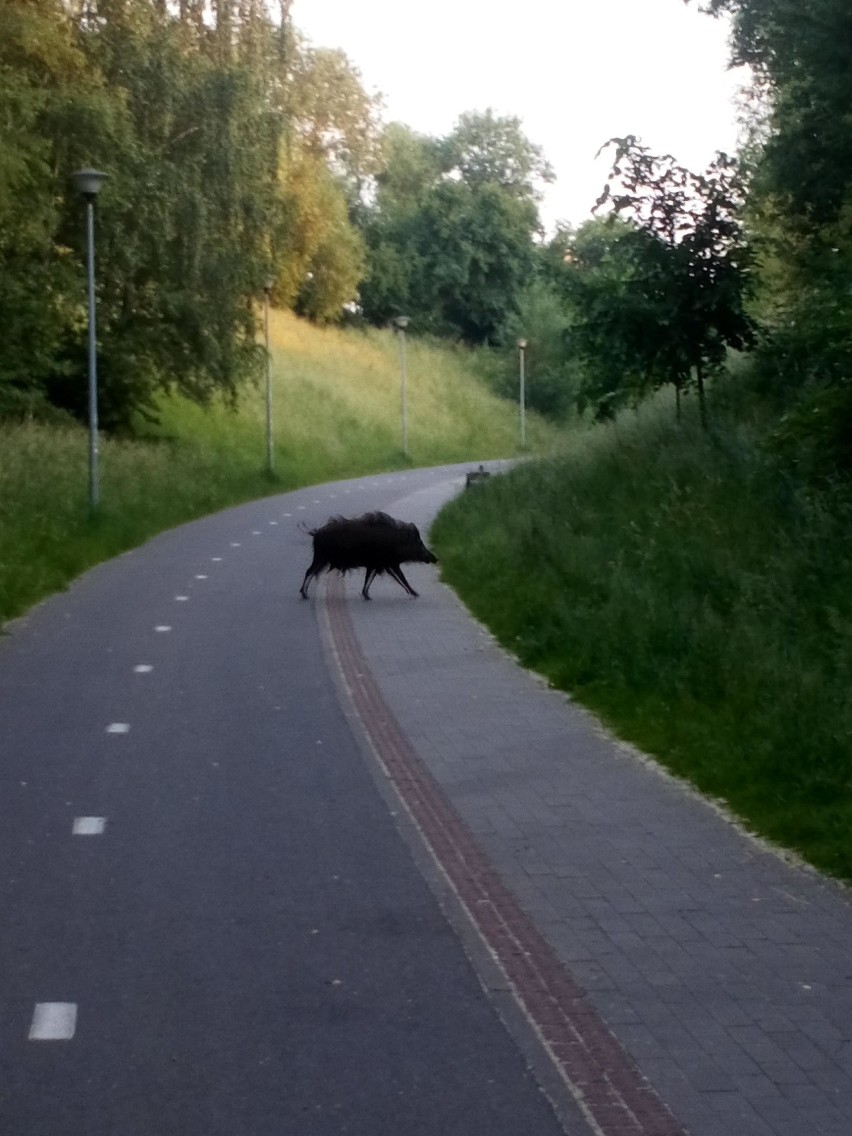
[576,72]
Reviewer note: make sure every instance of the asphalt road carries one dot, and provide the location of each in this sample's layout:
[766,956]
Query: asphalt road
[210,923]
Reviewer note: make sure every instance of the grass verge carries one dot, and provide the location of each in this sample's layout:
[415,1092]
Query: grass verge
[676,585]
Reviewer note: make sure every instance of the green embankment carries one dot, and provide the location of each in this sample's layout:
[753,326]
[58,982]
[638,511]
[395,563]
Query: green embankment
[336,413]
[680,588]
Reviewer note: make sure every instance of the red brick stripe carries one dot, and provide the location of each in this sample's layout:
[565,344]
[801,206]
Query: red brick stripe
[605,1083]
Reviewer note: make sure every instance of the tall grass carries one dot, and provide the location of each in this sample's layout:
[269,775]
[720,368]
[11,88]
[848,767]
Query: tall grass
[677,585]
[336,413]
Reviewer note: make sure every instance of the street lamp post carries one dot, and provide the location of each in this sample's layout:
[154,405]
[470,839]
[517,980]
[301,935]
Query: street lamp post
[267,292]
[88,183]
[522,347]
[401,323]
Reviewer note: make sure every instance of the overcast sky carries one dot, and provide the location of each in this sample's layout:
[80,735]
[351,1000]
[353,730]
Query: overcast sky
[575,72]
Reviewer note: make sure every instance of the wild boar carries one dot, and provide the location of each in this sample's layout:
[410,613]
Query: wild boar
[375,542]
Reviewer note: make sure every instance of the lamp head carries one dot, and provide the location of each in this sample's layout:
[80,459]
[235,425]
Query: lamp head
[268,284]
[401,322]
[522,343]
[88,182]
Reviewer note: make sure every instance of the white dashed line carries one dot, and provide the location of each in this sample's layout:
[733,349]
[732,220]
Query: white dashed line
[256,532]
[118,728]
[273,522]
[235,544]
[288,514]
[162,627]
[199,576]
[216,559]
[88,826]
[54,1021]
[181,599]
[142,668]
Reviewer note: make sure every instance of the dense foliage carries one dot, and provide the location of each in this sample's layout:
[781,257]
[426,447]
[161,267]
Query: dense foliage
[231,149]
[799,211]
[451,229]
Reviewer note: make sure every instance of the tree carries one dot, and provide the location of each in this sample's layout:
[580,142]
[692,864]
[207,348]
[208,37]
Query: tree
[799,58]
[411,166]
[44,83]
[613,286]
[183,224]
[328,113]
[331,143]
[486,150]
[231,146]
[319,271]
[552,371]
[450,232]
[800,210]
[698,265]
[475,254]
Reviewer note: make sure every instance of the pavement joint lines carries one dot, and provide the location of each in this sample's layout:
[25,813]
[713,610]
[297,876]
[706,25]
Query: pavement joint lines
[604,1082]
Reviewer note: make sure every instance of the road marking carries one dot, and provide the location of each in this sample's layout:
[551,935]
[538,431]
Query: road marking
[54,1021]
[88,826]
[302,507]
[118,728]
[215,559]
[143,668]
[287,514]
[256,532]
[199,576]
[181,599]
[235,544]
[273,522]
[162,627]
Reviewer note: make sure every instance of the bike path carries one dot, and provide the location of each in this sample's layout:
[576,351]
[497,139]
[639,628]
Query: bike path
[209,925]
[720,971]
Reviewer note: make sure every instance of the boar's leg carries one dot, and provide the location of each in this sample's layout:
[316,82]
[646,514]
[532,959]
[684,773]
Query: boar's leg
[398,574]
[316,566]
[303,591]
[369,575]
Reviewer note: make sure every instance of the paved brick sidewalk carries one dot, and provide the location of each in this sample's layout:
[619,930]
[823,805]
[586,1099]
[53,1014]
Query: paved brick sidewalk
[724,971]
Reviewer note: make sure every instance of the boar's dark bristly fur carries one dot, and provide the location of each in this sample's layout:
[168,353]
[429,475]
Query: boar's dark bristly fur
[375,542]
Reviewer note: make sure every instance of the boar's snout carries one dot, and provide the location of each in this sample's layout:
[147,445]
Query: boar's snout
[423,555]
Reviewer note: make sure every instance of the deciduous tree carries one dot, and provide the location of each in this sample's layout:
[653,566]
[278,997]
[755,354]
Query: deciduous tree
[697,266]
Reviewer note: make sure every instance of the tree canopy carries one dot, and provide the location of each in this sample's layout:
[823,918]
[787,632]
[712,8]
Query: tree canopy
[233,149]
[451,230]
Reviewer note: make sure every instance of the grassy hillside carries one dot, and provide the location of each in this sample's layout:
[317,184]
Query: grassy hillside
[336,412]
[680,587]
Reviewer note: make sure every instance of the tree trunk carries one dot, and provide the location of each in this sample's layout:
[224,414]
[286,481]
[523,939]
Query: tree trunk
[702,400]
